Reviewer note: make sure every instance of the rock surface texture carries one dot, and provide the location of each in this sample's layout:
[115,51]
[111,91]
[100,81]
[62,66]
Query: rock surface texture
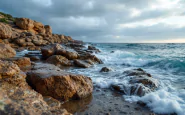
[50,80]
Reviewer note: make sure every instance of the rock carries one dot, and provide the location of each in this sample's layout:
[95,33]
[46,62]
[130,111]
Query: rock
[22,62]
[48,30]
[24,23]
[39,27]
[50,80]
[34,58]
[140,83]
[88,56]
[68,54]
[58,60]
[20,41]
[6,51]
[93,48]
[17,97]
[105,69]
[81,63]
[50,50]
[5,31]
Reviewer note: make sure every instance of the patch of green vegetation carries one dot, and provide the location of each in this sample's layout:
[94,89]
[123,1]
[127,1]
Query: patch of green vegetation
[6,17]
[3,20]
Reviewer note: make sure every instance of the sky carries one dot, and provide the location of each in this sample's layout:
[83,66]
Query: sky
[107,21]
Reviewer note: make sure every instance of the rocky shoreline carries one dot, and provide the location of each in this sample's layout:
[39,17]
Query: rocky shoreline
[37,83]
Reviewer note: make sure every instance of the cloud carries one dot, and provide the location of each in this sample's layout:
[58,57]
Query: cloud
[106,20]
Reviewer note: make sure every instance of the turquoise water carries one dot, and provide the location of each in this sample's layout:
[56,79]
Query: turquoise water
[165,62]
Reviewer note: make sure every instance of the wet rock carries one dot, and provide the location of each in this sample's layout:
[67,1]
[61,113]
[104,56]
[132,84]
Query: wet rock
[105,69]
[68,54]
[5,31]
[140,83]
[93,48]
[6,51]
[58,60]
[50,80]
[81,63]
[34,58]
[88,56]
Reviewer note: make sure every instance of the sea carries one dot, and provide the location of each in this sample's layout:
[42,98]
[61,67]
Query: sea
[165,62]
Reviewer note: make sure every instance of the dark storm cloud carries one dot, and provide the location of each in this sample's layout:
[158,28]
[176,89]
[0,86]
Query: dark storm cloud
[99,20]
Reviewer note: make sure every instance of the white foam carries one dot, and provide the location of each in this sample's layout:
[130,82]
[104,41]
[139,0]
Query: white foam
[162,102]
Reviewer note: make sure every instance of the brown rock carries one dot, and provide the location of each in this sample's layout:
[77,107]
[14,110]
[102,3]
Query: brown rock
[50,50]
[50,80]
[81,63]
[23,62]
[5,31]
[24,23]
[39,27]
[48,30]
[58,60]
[6,51]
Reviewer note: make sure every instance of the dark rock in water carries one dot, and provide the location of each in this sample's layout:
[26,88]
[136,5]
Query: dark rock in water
[118,88]
[141,103]
[93,48]
[139,84]
[34,58]
[58,60]
[137,72]
[112,51]
[105,69]
[82,63]
[50,80]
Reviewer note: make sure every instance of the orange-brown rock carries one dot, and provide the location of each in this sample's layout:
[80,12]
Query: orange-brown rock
[39,27]
[23,62]
[6,51]
[58,60]
[24,23]
[48,30]
[5,31]
[50,80]
[17,97]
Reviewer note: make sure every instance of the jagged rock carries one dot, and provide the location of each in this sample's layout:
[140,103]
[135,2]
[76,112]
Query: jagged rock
[39,27]
[24,23]
[48,30]
[50,80]
[6,51]
[17,97]
[105,69]
[81,63]
[68,54]
[93,48]
[88,56]
[140,83]
[50,50]
[58,60]
[5,31]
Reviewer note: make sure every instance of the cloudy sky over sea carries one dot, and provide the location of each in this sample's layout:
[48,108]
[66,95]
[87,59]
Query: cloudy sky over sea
[107,20]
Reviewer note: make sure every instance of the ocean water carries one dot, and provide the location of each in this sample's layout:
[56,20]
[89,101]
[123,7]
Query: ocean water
[165,62]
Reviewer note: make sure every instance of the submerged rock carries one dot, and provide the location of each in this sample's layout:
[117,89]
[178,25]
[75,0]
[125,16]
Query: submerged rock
[6,51]
[105,69]
[50,80]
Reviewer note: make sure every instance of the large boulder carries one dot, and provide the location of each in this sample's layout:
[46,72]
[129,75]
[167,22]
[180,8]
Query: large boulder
[24,23]
[68,54]
[6,51]
[5,31]
[139,83]
[17,97]
[50,80]
[58,60]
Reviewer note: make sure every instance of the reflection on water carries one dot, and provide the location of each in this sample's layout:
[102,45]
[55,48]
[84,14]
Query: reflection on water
[74,106]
